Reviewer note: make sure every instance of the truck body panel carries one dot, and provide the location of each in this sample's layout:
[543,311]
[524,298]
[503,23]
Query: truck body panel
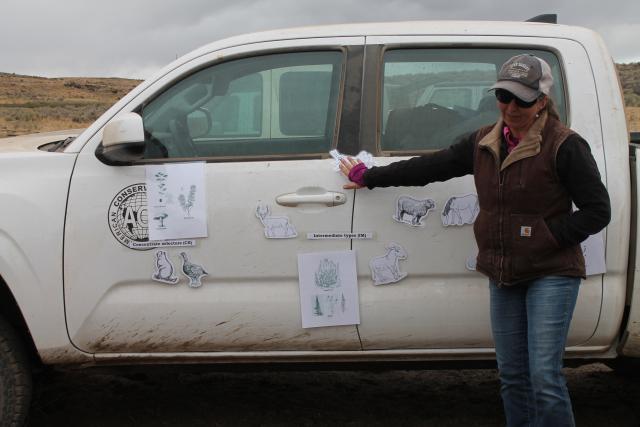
[86,294]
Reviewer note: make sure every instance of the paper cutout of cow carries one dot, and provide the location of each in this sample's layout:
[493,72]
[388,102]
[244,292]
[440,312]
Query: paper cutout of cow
[460,210]
[412,211]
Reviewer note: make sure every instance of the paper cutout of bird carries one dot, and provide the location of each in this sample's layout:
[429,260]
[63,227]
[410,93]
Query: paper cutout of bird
[193,271]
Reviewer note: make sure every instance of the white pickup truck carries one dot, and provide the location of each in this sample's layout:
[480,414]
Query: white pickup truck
[82,283]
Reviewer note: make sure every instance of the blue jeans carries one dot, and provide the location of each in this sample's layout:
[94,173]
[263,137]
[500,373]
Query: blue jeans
[530,322]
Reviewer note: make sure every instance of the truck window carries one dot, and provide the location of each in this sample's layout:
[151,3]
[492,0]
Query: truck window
[304,99]
[281,104]
[431,97]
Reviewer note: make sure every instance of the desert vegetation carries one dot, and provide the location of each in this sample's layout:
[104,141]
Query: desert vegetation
[31,104]
[36,104]
[630,82]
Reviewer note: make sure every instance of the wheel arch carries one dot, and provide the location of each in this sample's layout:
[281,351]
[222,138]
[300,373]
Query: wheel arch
[10,311]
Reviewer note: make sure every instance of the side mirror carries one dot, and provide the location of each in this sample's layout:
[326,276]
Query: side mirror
[122,141]
[125,129]
[199,123]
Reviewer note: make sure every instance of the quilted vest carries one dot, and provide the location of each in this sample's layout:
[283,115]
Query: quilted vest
[517,198]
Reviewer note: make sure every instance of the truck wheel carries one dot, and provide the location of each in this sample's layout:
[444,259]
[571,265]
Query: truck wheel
[15,378]
[629,367]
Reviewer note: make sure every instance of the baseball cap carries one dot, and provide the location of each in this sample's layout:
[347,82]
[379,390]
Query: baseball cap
[526,76]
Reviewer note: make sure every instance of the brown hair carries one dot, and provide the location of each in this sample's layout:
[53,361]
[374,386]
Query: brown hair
[551,109]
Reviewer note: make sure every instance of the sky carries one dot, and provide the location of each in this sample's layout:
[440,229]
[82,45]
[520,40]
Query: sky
[135,38]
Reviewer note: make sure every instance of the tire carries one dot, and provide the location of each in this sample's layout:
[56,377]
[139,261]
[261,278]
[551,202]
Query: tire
[15,378]
[626,366]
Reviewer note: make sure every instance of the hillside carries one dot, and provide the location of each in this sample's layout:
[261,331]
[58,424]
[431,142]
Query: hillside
[36,104]
[630,80]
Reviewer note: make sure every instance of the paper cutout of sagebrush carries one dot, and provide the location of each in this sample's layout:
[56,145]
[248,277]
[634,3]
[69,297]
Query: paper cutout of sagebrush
[411,211]
[385,269]
[164,270]
[275,227]
[193,271]
[460,210]
[327,278]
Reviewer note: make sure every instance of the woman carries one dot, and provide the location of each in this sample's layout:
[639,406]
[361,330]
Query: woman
[528,169]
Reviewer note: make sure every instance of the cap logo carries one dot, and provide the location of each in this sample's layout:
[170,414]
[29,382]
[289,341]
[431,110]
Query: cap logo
[518,70]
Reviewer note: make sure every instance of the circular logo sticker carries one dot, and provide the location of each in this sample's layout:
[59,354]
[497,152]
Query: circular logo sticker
[128,217]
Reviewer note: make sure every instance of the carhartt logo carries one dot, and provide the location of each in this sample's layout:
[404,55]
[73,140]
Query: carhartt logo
[525,231]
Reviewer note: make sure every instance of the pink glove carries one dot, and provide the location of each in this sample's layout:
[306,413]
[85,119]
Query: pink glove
[356,174]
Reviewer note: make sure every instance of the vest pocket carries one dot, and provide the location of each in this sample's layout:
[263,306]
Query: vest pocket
[533,247]
[486,233]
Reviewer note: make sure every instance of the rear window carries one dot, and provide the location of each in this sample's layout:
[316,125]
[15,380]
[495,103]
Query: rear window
[432,97]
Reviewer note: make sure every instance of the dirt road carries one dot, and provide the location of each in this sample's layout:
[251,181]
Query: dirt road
[333,398]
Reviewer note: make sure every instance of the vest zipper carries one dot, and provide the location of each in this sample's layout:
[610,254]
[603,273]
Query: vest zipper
[500,219]
[496,157]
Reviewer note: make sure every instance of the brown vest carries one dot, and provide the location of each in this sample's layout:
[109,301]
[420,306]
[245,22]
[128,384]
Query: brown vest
[517,198]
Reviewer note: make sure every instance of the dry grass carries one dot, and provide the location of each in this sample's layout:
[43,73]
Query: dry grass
[633,119]
[37,104]
[629,75]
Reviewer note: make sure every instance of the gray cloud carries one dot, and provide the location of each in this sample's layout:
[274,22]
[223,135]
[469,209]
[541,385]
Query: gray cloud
[133,38]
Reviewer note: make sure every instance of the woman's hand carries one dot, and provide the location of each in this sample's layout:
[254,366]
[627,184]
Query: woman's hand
[346,164]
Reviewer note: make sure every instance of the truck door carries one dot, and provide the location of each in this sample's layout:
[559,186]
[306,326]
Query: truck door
[433,299]
[263,120]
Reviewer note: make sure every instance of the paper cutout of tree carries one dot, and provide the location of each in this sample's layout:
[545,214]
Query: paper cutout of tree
[343,303]
[317,310]
[161,177]
[327,275]
[161,218]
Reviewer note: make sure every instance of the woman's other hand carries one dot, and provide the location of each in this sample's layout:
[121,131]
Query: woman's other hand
[347,164]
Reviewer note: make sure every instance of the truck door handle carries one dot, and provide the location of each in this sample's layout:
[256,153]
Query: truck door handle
[329,198]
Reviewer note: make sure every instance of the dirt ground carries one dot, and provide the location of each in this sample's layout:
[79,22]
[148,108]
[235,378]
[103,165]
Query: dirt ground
[161,397]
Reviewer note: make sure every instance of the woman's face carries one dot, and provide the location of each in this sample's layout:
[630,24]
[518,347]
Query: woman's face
[520,118]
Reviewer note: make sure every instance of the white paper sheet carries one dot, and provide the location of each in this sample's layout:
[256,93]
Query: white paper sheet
[364,156]
[593,251]
[471,260]
[176,201]
[328,289]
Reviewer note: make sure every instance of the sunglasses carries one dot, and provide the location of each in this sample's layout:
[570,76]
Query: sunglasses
[505,97]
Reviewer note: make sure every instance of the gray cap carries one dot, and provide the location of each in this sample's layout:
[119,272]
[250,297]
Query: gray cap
[526,76]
